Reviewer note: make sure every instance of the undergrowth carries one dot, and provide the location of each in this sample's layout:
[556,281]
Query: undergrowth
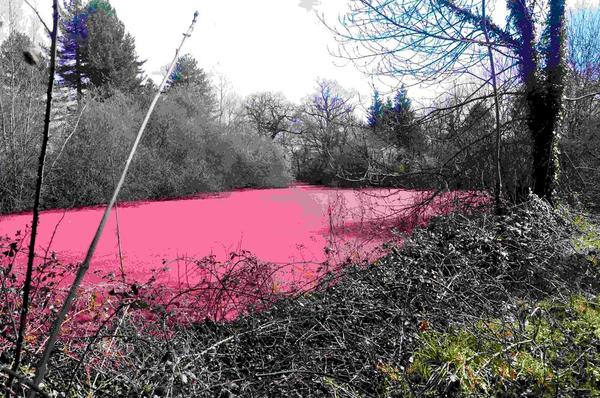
[471,305]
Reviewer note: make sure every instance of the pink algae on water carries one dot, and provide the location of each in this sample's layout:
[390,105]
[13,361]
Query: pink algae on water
[301,232]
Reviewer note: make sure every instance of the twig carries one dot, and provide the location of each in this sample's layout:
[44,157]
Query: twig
[62,148]
[24,380]
[110,344]
[39,16]
[582,97]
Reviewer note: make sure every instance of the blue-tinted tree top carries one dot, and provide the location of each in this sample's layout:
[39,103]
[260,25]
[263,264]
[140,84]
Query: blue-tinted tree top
[94,48]
[401,101]
[95,5]
[376,109]
[386,109]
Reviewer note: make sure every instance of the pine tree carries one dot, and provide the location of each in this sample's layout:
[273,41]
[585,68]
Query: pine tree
[95,50]
[401,101]
[187,72]
[189,85]
[110,50]
[400,121]
[71,43]
[394,122]
[376,110]
[388,108]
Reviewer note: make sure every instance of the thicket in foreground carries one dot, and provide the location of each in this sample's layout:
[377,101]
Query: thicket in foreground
[467,307]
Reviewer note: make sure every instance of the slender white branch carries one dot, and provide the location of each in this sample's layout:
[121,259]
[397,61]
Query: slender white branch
[82,270]
[39,16]
[582,97]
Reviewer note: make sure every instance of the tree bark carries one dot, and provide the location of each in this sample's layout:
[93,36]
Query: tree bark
[546,105]
[541,123]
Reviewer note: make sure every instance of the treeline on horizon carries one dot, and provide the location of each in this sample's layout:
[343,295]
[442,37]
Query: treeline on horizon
[202,137]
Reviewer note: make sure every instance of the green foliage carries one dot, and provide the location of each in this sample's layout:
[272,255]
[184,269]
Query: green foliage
[552,351]
[587,239]
[95,5]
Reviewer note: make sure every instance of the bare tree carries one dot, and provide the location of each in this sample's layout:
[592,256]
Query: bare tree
[580,163]
[433,41]
[270,113]
[229,107]
[332,140]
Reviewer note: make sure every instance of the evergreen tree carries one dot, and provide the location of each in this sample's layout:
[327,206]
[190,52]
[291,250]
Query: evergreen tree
[394,122]
[110,50]
[71,42]
[190,87]
[388,110]
[401,101]
[400,121]
[187,72]
[95,50]
[376,110]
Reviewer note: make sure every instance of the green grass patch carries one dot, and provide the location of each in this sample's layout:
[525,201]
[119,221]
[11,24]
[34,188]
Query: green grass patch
[552,351]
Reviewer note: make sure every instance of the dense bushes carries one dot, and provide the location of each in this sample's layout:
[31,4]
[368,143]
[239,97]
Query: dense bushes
[551,350]
[183,152]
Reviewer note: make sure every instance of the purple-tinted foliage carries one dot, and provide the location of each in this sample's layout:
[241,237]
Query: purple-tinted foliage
[554,36]
[522,20]
[376,110]
[328,102]
[74,34]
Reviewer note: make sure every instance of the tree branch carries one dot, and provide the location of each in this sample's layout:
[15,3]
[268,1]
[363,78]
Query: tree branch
[482,21]
[582,97]
[39,17]
[24,380]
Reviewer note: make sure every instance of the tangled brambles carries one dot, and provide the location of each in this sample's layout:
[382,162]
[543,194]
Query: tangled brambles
[470,306]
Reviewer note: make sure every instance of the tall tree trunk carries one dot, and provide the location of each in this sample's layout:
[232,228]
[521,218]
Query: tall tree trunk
[542,122]
[547,105]
[497,161]
[543,89]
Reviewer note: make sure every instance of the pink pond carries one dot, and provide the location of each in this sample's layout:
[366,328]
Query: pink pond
[285,240]
[296,227]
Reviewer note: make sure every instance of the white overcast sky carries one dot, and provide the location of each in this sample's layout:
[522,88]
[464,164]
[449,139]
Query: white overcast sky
[260,45]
